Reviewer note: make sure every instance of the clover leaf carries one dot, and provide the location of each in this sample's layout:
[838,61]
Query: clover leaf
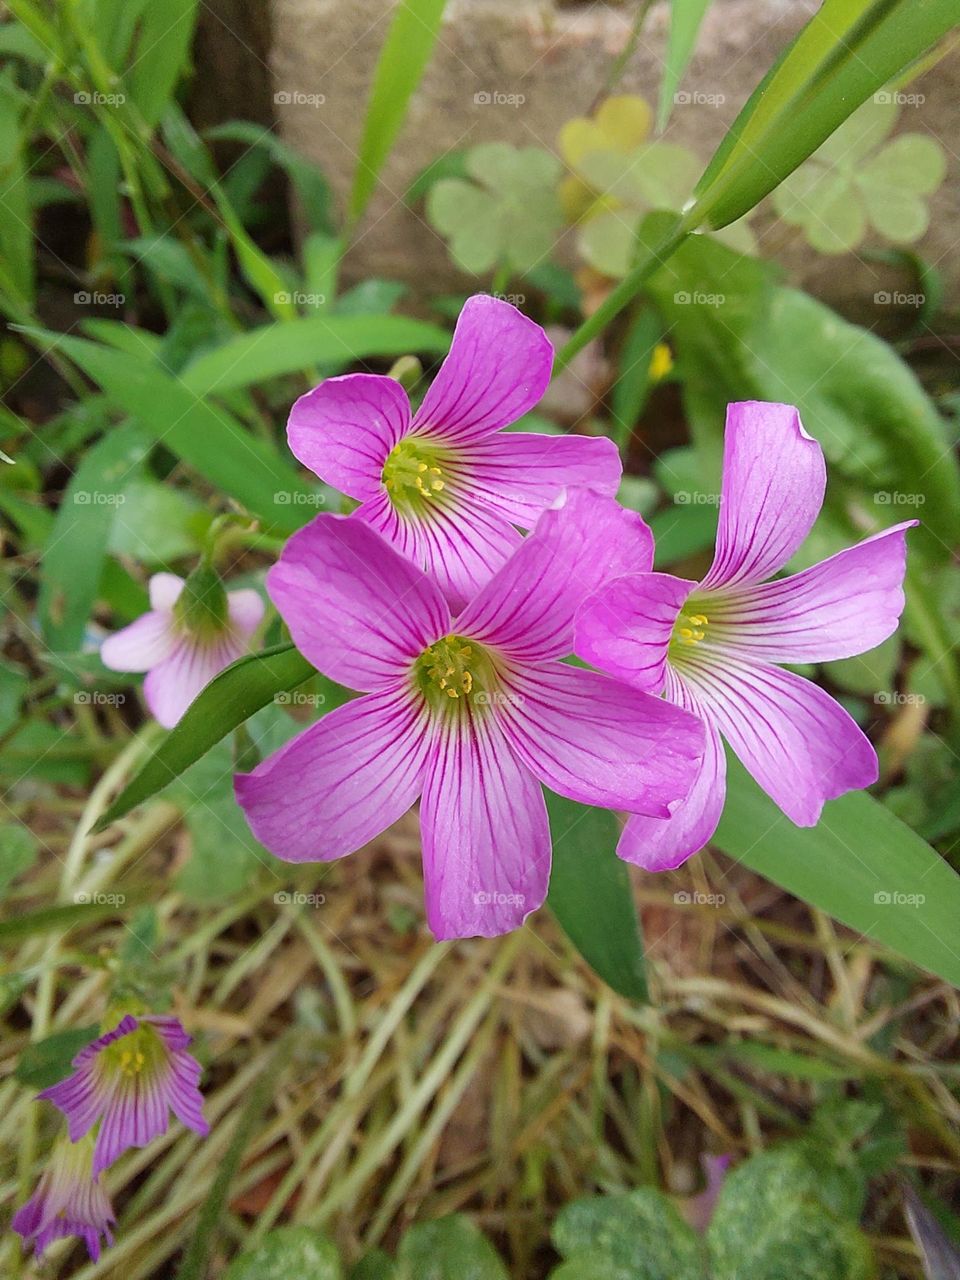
[508,215]
[856,181]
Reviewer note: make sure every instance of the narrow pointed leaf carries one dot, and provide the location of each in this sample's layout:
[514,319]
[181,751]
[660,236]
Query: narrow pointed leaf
[591,897]
[861,864]
[228,700]
[403,60]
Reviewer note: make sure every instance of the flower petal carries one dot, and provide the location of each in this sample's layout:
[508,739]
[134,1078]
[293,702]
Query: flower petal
[460,547]
[519,473]
[773,482]
[838,608]
[486,839]
[528,608]
[173,684]
[799,744]
[164,590]
[498,368]
[141,645]
[341,782]
[600,742]
[344,429]
[246,609]
[662,844]
[356,609]
[625,627]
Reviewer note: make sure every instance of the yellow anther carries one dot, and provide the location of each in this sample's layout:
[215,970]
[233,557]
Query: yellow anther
[467,681]
[690,628]
[414,473]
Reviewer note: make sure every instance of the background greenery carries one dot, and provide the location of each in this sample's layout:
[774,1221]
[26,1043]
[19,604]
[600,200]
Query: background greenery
[161,319]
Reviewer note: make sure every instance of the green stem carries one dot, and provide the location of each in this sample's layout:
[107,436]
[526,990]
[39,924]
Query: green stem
[625,291]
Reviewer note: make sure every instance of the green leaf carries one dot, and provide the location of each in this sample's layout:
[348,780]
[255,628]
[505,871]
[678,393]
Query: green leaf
[403,60]
[640,1234]
[47,1061]
[75,550]
[157,523]
[272,350]
[777,1215]
[232,697]
[860,864]
[375,1265]
[162,48]
[448,1249]
[591,896]
[740,336]
[308,180]
[847,51]
[204,436]
[288,1253]
[18,853]
[685,19]
[16,216]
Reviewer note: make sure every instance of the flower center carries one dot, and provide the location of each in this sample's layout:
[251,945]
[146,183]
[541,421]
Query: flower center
[689,631]
[690,628]
[415,475]
[455,671]
[140,1050]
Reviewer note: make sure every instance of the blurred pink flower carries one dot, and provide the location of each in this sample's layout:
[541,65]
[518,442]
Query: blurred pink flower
[129,1080]
[193,630]
[68,1201]
[711,646]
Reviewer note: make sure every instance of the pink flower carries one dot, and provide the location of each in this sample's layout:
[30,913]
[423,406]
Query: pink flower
[711,646]
[68,1201]
[129,1080]
[474,713]
[193,630]
[444,487]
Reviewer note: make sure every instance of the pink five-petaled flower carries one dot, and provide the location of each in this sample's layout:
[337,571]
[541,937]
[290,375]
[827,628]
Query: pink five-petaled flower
[711,646]
[445,487]
[193,630]
[128,1080]
[68,1201]
[473,712]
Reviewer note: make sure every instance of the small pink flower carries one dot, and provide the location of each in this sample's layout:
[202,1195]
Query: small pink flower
[185,640]
[445,486]
[472,712]
[129,1080]
[68,1201]
[712,646]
